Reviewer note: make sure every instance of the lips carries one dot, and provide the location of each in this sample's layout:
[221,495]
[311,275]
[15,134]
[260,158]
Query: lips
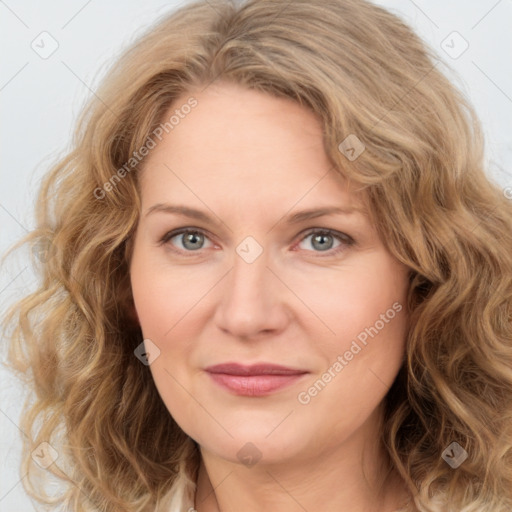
[254,380]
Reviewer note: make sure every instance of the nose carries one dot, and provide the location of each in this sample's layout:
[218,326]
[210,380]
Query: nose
[252,303]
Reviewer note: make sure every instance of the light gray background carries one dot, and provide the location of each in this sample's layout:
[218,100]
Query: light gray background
[41,97]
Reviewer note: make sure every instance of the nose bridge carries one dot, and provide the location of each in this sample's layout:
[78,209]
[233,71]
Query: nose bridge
[248,277]
[250,301]
[248,280]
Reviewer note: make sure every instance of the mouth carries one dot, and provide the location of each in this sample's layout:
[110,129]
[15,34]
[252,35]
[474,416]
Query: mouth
[254,380]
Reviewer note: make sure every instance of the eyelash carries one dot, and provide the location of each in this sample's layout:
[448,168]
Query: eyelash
[346,240]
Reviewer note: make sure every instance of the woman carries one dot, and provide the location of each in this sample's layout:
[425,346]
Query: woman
[276,276]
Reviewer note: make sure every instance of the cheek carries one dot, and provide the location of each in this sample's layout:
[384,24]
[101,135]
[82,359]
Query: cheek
[162,300]
[164,296]
[168,302]
[344,302]
[364,354]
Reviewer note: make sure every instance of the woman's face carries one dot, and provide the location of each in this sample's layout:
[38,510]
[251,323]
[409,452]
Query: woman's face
[228,269]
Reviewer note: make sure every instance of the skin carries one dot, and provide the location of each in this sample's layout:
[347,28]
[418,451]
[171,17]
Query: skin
[248,160]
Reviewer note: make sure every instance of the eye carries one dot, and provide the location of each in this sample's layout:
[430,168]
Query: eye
[187,240]
[323,240]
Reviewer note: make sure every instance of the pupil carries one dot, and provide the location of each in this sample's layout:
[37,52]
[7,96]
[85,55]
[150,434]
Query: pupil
[191,238]
[321,239]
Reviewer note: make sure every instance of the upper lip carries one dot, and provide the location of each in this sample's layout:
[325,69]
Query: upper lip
[254,369]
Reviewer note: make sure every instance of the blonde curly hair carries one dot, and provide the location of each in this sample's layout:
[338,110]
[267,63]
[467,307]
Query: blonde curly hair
[363,72]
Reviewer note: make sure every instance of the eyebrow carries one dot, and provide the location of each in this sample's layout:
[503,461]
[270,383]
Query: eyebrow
[320,212]
[185,211]
[294,218]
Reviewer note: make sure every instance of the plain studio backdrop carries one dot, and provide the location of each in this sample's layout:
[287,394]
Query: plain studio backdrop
[53,57]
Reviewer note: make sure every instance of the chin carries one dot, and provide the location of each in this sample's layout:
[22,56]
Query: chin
[255,442]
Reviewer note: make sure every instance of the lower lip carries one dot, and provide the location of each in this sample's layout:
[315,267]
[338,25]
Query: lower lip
[254,385]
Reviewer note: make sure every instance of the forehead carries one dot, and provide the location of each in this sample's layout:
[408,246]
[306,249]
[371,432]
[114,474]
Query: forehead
[244,146]
[230,117]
